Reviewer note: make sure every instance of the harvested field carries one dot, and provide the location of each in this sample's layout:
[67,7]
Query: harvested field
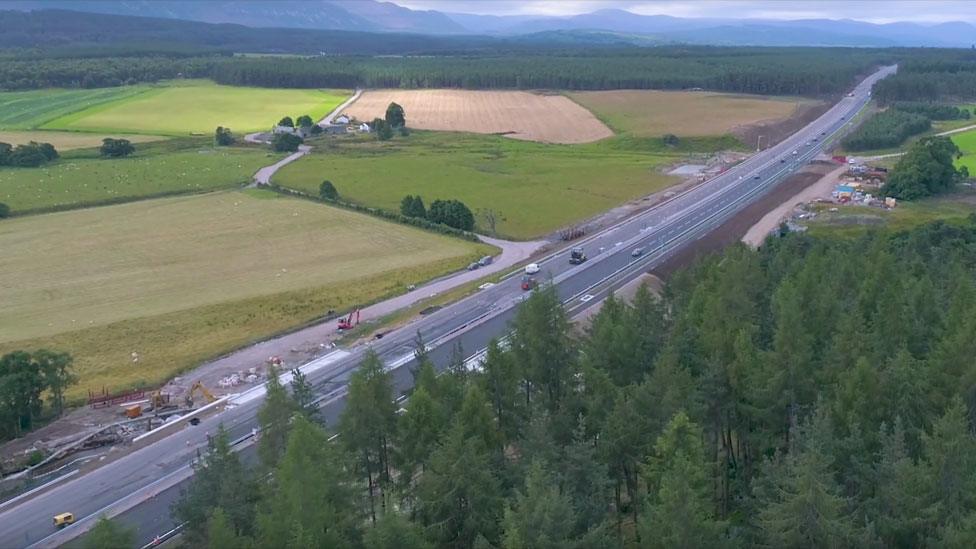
[179,280]
[651,113]
[514,114]
[66,141]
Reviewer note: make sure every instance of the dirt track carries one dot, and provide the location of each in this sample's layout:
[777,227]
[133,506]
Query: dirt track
[515,114]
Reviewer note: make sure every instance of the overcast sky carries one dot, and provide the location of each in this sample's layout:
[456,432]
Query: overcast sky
[876,11]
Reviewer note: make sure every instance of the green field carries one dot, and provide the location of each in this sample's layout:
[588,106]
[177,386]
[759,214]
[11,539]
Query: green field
[31,109]
[196,106]
[178,280]
[533,187]
[167,167]
[66,141]
[966,141]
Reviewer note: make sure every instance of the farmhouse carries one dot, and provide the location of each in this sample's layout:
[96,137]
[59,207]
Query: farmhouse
[335,129]
[300,132]
[341,119]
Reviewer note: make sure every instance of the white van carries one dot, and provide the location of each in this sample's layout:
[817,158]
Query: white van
[532,268]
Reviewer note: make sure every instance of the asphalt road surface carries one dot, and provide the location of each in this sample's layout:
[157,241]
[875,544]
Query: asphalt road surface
[138,485]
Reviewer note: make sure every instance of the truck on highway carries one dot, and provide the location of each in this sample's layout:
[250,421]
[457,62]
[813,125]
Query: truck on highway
[577,256]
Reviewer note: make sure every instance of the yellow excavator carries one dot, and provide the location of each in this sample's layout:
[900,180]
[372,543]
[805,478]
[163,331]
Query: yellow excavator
[198,386]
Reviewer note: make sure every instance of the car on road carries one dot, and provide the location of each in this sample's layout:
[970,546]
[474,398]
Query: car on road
[485,261]
[529,283]
[782,161]
[823,133]
[532,268]
[474,266]
[577,256]
[637,252]
[755,177]
[63,519]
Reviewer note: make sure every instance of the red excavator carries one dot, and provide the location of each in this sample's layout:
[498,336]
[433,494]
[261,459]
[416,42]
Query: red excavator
[347,322]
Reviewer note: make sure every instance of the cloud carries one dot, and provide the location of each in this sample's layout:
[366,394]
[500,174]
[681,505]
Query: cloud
[922,11]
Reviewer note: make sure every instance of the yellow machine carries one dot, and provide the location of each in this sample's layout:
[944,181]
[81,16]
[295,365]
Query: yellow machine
[63,519]
[198,386]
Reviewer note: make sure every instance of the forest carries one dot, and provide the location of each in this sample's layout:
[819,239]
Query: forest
[772,71]
[814,393]
[942,75]
[888,128]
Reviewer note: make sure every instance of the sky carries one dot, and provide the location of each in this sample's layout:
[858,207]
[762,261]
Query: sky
[874,11]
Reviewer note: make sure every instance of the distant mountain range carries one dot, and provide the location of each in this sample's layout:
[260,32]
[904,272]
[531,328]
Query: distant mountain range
[602,26]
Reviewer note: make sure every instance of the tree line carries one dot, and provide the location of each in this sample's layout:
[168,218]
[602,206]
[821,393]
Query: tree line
[25,379]
[814,393]
[800,71]
[888,128]
[940,75]
[452,213]
[928,168]
[29,155]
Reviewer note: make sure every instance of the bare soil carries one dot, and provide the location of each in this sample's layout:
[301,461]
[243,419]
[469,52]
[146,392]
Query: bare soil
[514,114]
[734,229]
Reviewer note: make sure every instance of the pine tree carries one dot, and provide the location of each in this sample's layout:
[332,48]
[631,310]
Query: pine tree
[394,531]
[368,424]
[899,489]
[418,431]
[949,460]
[585,481]
[274,419]
[541,516]
[303,395]
[541,343]
[219,480]
[501,384]
[799,502]
[312,502]
[107,534]
[678,511]
[459,497]
[220,533]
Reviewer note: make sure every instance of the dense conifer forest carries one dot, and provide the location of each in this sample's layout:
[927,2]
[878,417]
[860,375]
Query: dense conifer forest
[816,393]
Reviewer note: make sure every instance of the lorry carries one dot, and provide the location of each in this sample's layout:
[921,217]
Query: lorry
[577,256]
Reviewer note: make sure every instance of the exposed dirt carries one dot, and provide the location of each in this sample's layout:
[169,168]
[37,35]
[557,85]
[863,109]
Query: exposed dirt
[774,131]
[515,114]
[820,189]
[734,229]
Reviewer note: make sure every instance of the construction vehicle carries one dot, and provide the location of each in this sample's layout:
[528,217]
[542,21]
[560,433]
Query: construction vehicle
[63,519]
[529,283]
[347,322]
[577,256]
[198,386]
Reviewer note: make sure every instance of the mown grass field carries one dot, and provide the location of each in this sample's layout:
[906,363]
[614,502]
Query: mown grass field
[198,106]
[533,187]
[168,167]
[30,109]
[966,141]
[853,221]
[652,113]
[179,280]
[66,141]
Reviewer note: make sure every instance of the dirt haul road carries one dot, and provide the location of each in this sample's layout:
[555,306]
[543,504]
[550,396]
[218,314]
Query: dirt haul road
[515,114]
